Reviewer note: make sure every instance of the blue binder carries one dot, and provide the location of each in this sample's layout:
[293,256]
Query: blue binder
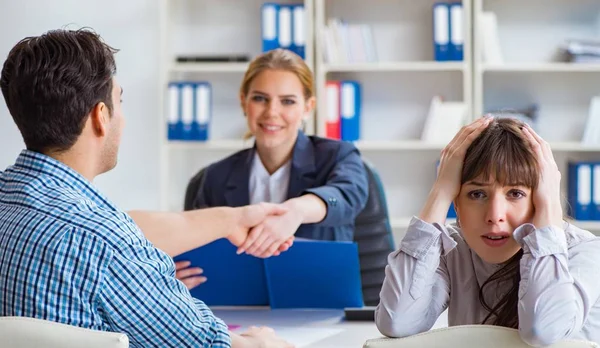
[596,191]
[270,26]
[285,27]
[202,111]
[233,280]
[174,112]
[350,107]
[580,186]
[315,274]
[456,30]
[298,30]
[187,96]
[311,274]
[441,31]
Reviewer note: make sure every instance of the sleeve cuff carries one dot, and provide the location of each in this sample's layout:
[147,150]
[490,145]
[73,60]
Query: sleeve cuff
[541,242]
[421,236]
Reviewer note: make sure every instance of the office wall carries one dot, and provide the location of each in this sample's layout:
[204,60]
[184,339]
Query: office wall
[131,26]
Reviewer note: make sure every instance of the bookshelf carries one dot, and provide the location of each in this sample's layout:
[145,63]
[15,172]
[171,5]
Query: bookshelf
[205,27]
[535,71]
[397,89]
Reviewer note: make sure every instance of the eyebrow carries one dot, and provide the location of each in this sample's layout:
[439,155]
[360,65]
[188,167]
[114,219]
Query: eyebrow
[121,90]
[281,96]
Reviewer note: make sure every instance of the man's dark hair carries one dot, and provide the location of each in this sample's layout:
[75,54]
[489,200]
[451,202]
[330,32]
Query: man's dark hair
[51,83]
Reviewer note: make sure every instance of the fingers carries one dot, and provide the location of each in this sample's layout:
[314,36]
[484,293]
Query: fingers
[182,264]
[472,133]
[188,272]
[193,282]
[271,249]
[255,232]
[258,246]
[545,147]
[468,129]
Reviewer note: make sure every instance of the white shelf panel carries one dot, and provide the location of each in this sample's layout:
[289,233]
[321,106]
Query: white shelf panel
[209,67]
[397,145]
[541,67]
[592,226]
[395,66]
[574,147]
[209,145]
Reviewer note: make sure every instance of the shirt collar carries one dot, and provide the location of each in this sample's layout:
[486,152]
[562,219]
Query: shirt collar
[60,174]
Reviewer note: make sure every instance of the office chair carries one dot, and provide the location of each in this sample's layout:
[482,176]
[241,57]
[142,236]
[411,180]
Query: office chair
[472,336]
[21,332]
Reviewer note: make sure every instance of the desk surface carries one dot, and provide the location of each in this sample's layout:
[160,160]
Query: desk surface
[352,333]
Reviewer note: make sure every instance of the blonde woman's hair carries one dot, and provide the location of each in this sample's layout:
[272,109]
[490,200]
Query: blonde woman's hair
[279,59]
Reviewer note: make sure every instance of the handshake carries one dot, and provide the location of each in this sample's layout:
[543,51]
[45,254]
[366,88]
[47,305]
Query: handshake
[261,230]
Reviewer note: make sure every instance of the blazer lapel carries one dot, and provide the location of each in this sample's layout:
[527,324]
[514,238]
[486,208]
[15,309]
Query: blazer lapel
[237,192]
[303,172]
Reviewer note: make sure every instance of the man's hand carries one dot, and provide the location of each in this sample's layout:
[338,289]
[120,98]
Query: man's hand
[253,215]
[255,337]
[267,238]
[189,276]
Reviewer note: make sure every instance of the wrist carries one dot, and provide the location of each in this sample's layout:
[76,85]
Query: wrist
[437,205]
[547,216]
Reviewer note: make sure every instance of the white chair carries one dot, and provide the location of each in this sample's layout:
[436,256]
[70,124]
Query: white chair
[470,336]
[20,332]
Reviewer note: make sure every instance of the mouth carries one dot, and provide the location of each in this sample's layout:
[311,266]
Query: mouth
[496,239]
[270,128]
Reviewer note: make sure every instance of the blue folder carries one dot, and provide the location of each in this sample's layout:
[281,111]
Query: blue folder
[233,280]
[315,274]
[311,274]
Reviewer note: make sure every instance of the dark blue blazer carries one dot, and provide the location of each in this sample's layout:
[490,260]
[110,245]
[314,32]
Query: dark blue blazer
[330,169]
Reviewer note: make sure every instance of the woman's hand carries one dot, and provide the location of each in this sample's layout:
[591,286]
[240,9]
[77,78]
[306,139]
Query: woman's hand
[447,184]
[189,276]
[546,197]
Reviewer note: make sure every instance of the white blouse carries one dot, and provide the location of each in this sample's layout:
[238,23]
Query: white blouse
[265,187]
[434,269]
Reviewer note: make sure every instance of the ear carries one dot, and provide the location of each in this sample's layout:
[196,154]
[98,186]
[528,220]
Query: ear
[309,106]
[99,118]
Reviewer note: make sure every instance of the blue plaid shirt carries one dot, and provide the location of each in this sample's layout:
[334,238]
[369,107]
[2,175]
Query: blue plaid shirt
[69,255]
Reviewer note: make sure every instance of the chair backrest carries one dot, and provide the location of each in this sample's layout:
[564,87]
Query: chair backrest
[20,332]
[487,336]
[373,235]
[192,189]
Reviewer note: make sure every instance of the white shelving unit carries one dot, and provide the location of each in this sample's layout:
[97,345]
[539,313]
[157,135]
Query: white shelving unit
[206,27]
[534,72]
[396,92]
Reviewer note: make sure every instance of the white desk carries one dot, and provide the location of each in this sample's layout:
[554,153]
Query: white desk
[353,333]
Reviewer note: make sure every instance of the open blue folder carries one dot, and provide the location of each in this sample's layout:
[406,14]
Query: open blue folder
[311,274]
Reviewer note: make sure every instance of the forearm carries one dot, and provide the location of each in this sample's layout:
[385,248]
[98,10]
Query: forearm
[412,301]
[436,207]
[309,208]
[176,233]
[550,305]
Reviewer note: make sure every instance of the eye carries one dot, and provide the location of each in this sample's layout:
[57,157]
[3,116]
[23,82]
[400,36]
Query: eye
[288,101]
[516,194]
[258,98]
[477,194]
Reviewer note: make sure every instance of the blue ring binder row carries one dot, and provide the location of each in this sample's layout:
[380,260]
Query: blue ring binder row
[189,110]
[283,26]
[311,274]
[584,191]
[448,31]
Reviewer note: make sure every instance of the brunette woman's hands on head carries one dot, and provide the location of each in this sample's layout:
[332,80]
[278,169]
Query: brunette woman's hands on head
[546,197]
[447,184]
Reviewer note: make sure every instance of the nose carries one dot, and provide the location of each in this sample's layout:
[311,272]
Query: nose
[496,210]
[273,108]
